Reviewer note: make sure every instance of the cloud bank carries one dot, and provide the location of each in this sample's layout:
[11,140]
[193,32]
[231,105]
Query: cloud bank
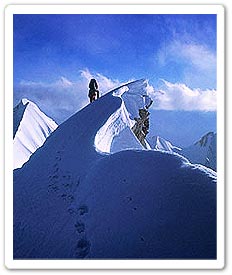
[178,96]
[64,97]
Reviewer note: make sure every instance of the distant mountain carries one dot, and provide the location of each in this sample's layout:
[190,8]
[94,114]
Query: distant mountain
[181,128]
[30,130]
[92,191]
[203,151]
[162,144]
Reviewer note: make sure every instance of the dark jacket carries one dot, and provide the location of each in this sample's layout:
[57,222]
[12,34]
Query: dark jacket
[93,84]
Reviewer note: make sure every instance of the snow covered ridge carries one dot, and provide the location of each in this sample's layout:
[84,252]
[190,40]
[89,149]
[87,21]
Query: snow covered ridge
[72,202]
[116,134]
[31,128]
[161,144]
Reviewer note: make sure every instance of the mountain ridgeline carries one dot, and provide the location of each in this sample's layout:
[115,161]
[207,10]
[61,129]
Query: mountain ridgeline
[95,191]
[203,151]
[31,128]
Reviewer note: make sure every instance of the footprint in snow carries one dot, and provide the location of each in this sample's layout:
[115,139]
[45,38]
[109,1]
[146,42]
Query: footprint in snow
[80,227]
[142,239]
[82,248]
[83,209]
[129,198]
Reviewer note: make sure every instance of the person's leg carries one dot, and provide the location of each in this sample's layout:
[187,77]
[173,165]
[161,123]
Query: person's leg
[92,98]
[97,93]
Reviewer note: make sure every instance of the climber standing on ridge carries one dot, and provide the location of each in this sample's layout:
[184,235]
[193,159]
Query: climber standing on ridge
[93,90]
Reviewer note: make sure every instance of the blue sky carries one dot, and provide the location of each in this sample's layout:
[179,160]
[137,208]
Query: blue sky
[55,55]
[118,46]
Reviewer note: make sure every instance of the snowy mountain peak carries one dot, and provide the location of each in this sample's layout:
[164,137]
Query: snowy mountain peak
[203,151]
[31,128]
[25,101]
[206,139]
[161,144]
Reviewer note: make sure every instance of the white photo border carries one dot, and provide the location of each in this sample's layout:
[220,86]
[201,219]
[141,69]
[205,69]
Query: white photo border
[10,263]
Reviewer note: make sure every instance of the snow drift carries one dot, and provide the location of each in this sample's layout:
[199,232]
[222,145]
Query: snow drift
[77,199]
[31,128]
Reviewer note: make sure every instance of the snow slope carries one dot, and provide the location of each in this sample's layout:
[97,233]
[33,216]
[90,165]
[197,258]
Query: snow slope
[31,128]
[76,199]
[203,151]
[148,204]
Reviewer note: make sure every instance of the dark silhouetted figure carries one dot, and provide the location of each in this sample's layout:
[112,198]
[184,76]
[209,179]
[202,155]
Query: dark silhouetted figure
[93,90]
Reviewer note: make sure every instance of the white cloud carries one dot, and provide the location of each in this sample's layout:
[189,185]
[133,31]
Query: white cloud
[105,84]
[65,97]
[195,54]
[150,90]
[197,62]
[201,57]
[177,96]
[62,98]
